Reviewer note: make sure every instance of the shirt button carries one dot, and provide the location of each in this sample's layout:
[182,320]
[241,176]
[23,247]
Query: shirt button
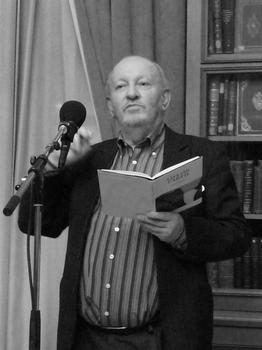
[134,162]
[154,154]
[108,286]
[106,313]
[117,229]
[111,256]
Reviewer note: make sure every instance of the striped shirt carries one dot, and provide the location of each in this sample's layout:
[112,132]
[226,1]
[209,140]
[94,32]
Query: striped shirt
[119,283]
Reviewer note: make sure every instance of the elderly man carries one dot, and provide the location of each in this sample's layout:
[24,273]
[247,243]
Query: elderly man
[139,283]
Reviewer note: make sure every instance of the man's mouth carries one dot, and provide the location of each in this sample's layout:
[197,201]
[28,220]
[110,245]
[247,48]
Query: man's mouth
[133,106]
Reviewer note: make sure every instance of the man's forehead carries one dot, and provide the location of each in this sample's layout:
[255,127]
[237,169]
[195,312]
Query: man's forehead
[134,65]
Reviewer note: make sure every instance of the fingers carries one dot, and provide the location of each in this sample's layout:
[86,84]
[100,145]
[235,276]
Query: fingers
[164,225]
[82,137]
[155,218]
[159,216]
[84,133]
[78,149]
[81,142]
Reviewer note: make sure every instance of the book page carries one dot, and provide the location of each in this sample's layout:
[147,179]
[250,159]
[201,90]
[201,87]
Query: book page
[128,173]
[173,167]
[140,174]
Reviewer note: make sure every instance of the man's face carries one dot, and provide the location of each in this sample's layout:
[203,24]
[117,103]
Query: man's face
[136,94]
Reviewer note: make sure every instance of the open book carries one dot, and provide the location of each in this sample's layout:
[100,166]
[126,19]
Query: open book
[127,193]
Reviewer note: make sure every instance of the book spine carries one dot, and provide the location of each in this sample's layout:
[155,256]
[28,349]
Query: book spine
[231,108]
[225,106]
[226,273]
[221,107]
[257,195]
[238,272]
[246,265]
[260,262]
[217,16]
[254,252]
[237,169]
[211,47]
[212,273]
[213,105]
[227,10]
[248,182]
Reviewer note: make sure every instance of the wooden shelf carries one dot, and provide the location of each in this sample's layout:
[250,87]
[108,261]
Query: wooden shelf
[237,312]
[239,138]
[237,57]
[237,299]
[238,317]
[253,216]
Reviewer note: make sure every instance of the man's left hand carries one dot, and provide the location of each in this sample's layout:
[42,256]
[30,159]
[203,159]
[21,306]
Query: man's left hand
[167,226]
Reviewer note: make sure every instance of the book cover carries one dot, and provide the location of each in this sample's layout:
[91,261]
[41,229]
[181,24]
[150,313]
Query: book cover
[228,28]
[127,193]
[249,118]
[248,26]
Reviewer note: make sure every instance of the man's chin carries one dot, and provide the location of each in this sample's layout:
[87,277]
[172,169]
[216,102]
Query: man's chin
[135,122]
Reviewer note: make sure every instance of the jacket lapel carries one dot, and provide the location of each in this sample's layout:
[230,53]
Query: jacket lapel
[105,154]
[176,148]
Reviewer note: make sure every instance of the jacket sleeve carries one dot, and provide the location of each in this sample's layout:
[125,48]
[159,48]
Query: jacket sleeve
[217,230]
[55,208]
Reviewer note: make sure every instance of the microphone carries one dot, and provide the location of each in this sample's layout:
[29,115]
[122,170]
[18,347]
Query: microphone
[72,116]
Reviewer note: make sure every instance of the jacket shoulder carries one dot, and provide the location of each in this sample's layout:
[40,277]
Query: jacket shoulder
[197,144]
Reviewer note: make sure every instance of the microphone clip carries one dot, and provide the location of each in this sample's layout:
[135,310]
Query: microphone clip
[70,128]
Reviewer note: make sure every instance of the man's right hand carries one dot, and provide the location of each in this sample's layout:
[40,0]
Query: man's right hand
[78,149]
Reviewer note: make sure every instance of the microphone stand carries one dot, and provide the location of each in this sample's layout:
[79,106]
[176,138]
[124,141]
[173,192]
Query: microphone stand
[36,178]
[35,316]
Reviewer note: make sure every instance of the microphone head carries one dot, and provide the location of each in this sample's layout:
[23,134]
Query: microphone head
[73,111]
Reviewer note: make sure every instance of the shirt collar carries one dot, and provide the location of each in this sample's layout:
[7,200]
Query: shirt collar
[153,140]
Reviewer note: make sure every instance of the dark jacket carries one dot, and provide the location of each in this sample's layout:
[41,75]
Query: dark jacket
[216,230]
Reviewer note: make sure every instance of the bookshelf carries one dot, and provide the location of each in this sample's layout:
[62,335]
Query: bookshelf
[237,311]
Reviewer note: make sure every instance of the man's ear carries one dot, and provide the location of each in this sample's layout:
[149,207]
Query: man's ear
[165,99]
[109,106]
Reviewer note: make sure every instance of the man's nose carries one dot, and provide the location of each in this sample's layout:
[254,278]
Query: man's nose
[132,92]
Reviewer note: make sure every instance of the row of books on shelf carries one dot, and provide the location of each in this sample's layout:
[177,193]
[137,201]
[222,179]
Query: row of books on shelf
[241,272]
[234,104]
[234,26]
[248,178]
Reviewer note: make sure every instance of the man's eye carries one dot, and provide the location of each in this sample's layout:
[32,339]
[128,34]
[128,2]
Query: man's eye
[144,83]
[119,86]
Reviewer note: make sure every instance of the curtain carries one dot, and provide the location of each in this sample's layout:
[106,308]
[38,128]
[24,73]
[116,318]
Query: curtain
[40,69]
[112,29]
[51,53]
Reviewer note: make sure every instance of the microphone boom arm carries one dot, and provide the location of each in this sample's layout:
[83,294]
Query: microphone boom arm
[38,166]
